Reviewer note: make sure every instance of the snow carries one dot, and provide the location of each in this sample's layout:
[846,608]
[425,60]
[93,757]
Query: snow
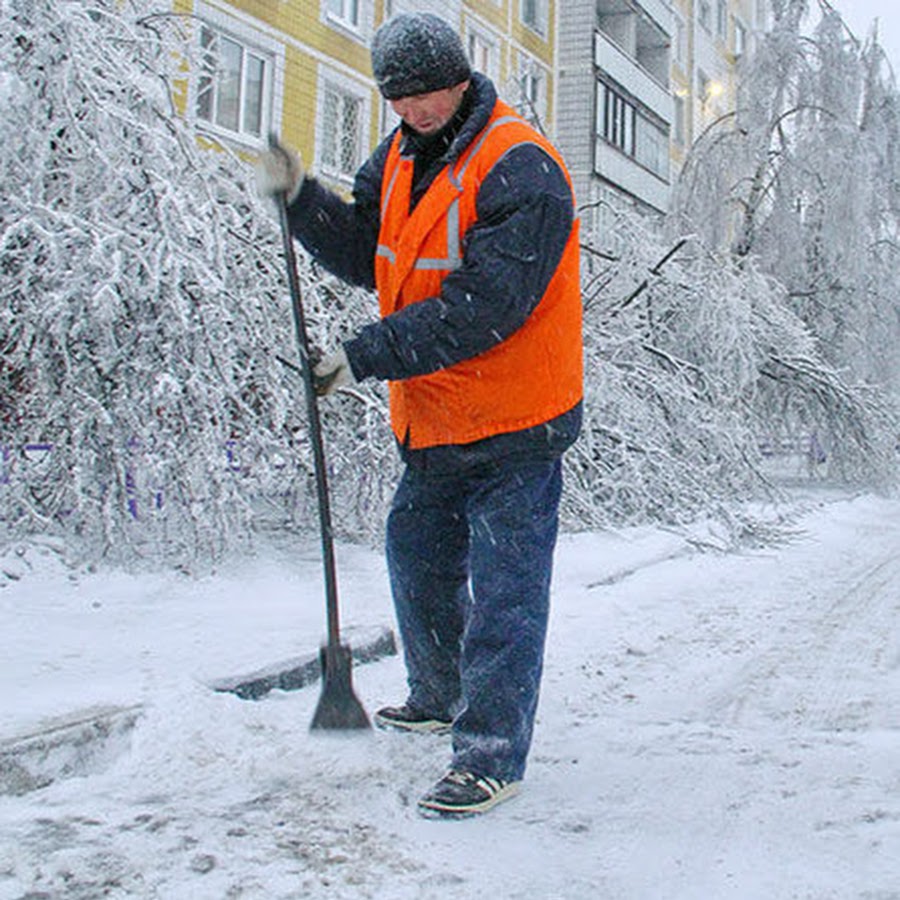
[711,725]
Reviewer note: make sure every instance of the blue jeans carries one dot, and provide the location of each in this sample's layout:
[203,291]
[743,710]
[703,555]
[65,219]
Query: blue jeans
[470,557]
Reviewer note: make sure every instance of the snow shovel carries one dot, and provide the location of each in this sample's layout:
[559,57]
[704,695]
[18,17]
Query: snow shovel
[339,708]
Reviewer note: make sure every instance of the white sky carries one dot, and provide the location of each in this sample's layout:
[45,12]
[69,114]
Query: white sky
[859,14]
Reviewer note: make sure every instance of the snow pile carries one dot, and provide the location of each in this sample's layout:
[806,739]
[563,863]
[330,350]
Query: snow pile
[710,726]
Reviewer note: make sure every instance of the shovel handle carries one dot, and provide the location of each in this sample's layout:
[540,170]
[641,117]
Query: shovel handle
[315,426]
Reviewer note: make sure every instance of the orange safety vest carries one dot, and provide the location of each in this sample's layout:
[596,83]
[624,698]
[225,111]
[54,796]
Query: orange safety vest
[529,378]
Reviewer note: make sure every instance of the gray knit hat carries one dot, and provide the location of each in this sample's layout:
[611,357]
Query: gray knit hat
[416,53]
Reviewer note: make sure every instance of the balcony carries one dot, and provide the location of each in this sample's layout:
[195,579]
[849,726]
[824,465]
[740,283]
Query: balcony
[641,30]
[623,172]
[609,57]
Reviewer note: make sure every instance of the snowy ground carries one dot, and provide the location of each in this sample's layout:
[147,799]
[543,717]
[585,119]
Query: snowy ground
[711,726]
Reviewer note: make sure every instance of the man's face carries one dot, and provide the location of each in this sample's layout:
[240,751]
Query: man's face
[429,113]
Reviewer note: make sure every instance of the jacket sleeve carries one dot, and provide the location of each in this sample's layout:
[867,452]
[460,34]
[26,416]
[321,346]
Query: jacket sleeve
[342,236]
[525,213]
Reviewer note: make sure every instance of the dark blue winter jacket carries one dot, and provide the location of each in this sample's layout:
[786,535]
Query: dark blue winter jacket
[525,212]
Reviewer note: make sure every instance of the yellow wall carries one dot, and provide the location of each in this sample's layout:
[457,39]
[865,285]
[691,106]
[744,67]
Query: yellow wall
[496,14]
[308,40]
[535,44]
[299,111]
[300,20]
[505,20]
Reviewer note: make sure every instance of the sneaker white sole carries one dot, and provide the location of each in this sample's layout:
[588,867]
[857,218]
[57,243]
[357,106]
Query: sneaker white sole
[428,726]
[434,809]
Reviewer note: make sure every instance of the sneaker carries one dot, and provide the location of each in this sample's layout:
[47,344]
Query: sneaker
[408,718]
[460,794]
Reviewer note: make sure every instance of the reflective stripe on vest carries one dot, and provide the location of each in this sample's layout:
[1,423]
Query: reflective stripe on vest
[452,259]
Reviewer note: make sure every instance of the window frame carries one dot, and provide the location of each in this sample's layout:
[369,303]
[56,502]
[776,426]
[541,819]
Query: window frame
[703,90]
[252,43]
[647,135]
[540,25]
[489,44]
[331,81]
[352,21]
[741,35]
[622,123]
[704,15]
[616,119]
[722,20]
[532,109]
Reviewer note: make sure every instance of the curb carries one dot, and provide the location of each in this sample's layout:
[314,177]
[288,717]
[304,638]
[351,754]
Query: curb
[71,745]
[293,674]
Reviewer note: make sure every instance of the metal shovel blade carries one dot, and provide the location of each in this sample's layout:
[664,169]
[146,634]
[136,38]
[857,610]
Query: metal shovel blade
[339,708]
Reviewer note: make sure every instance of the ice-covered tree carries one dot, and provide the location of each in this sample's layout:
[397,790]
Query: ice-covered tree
[149,404]
[804,177]
[142,299]
[693,359]
[800,183]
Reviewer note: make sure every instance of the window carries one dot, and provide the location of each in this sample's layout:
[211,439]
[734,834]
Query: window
[680,122]
[740,38]
[534,15]
[346,11]
[722,20]
[615,119]
[483,54]
[531,93]
[341,131]
[703,90]
[632,129]
[704,14]
[234,85]
[652,147]
[681,53]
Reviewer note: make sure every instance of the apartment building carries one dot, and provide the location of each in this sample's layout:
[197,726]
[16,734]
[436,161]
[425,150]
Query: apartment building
[624,87]
[302,68]
[708,41]
[655,73]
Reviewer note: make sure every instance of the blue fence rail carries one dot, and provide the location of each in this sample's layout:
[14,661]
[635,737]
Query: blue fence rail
[808,446]
[26,460]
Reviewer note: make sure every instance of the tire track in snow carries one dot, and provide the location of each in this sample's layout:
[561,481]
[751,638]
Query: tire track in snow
[818,671]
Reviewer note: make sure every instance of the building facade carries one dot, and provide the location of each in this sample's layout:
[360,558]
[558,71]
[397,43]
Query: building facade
[657,72]
[710,37]
[623,87]
[615,106]
[302,69]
